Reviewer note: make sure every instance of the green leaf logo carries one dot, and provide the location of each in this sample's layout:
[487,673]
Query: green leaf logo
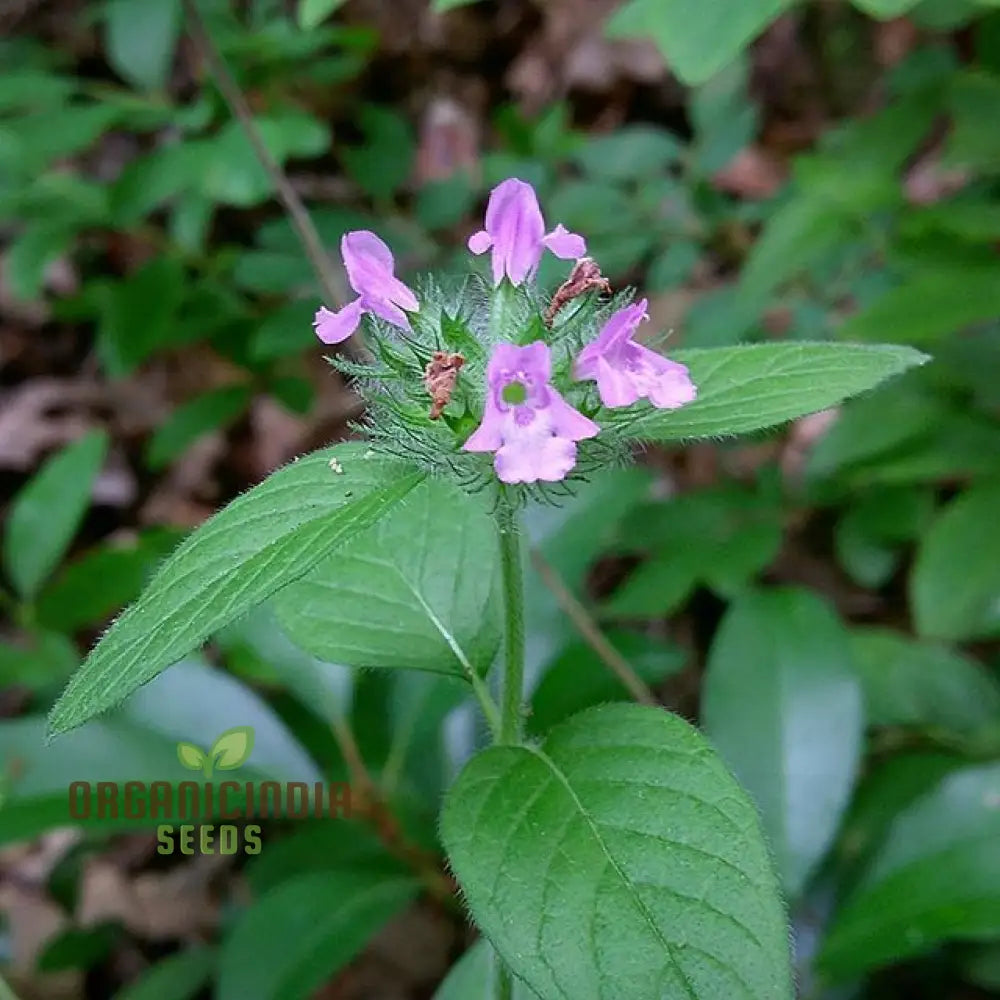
[191,757]
[233,747]
[230,750]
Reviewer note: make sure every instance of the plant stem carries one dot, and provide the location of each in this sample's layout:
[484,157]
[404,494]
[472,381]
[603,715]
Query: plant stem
[328,274]
[512,577]
[588,629]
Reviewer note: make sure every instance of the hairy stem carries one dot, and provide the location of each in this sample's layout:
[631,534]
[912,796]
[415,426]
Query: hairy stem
[512,577]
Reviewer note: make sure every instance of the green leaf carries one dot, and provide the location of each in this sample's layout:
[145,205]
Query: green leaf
[78,948]
[312,13]
[885,9]
[955,582]
[190,756]
[471,977]
[743,389]
[578,678]
[936,878]
[783,705]
[697,41]
[931,305]
[619,859]
[910,683]
[418,591]
[296,936]
[383,164]
[260,543]
[179,977]
[233,747]
[41,663]
[629,153]
[90,589]
[141,36]
[45,514]
[442,5]
[208,412]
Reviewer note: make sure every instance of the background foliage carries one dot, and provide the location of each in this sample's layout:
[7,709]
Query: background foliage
[823,601]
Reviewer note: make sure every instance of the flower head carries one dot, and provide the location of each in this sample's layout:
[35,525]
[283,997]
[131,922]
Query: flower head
[626,371]
[370,271]
[532,429]
[515,232]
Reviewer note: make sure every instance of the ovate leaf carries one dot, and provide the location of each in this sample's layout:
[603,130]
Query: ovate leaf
[911,683]
[208,412]
[955,584]
[261,542]
[141,36]
[298,934]
[936,877]
[697,40]
[179,977]
[418,591]
[46,513]
[471,977]
[620,859]
[743,389]
[783,705]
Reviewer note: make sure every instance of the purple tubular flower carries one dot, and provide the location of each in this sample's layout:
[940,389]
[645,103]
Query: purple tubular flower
[532,429]
[515,231]
[370,271]
[626,371]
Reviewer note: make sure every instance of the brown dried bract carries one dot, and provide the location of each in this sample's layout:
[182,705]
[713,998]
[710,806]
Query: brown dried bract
[439,377]
[585,276]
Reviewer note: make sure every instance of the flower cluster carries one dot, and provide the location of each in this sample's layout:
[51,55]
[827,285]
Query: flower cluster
[469,369]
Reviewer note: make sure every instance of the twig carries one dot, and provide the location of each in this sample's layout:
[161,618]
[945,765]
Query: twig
[329,276]
[591,634]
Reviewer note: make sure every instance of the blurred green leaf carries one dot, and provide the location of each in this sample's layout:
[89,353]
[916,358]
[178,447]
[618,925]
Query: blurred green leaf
[697,41]
[285,332]
[139,315]
[29,255]
[885,9]
[79,947]
[955,583]
[626,820]
[384,602]
[470,978]
[929,306]
[45,514]
[743,389]
[90,589]
[724,118]
[260,543]
[313,13]
[382,164]
[972,95]
[577,678]
[234,176]
[140,37]
[911,683]
[936,878]
[866,559]
[179,977]
[297,935]
[41,661]
[629,153]
[442,5]
[782,703]
[211,411]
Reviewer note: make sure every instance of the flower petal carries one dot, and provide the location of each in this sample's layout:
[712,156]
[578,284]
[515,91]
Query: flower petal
[672,386]
[614,385]
[515,224]
[334,327]
[528,460]
[564,244]
[567,422]
[480,242]
[387,310]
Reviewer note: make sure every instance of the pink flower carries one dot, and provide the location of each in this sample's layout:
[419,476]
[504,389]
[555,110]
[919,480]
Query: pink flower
[626,371]
[370,271]
[532,429]
[515,231]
